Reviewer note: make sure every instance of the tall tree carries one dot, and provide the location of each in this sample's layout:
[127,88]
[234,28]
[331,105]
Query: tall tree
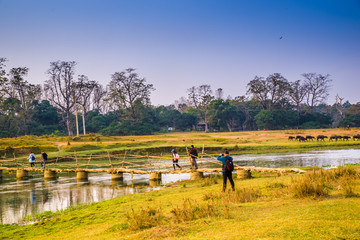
[297,93]
[60,88]
[201,97]
[3,79]
[126,89]
[268,91]
[339,106]
[19,88]
[318,88]
[98,99]
[84,88]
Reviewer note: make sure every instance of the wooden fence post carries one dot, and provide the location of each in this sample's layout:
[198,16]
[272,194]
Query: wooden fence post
[110,160]
[89,161]
[77,164]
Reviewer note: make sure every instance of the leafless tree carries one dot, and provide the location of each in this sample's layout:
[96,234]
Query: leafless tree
[84,88]
[98,99]
[126,88]
[297,93]
[318,88]
[60,88]
[201,97]
[3,79]
[182,104]
[339,106]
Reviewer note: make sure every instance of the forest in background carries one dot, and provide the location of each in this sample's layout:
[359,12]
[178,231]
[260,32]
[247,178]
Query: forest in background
[64,103]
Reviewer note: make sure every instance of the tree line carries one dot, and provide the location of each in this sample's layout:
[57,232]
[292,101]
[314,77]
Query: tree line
[66,104]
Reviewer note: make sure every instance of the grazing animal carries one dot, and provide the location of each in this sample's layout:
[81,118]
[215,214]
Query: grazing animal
[321,137]
[301,139]
[298,137]
[334,137]
[345,138]
[310,138]
[357,137]
[291,138]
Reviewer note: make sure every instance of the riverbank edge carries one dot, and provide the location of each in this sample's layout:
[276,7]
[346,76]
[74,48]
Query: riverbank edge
[103,219]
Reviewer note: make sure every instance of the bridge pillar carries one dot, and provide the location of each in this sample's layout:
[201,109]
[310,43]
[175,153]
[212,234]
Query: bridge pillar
[196,175]
[48,174]
[243,174]
[81,175]
[154,176]
[154,183]
[117,176]
[20,173]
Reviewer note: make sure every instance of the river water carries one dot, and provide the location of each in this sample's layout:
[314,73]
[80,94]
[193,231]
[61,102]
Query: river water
[19,198]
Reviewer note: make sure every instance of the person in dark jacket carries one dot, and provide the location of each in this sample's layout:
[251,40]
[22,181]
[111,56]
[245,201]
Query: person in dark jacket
[193,154]
[226,174]
[43,159]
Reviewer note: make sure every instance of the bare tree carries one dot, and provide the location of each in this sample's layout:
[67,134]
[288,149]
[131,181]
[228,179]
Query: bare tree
[98,99]
[278,88]
[60,87]
[297,93]
[339,106]
[126,88]
[201,97]
[84,88]
[182,104]
[318,88]
[258,89]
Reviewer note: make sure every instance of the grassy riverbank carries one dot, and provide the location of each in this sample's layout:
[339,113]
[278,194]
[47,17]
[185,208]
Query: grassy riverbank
[237,142]
[316,205]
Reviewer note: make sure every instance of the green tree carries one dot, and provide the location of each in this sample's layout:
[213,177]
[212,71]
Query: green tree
[265,119]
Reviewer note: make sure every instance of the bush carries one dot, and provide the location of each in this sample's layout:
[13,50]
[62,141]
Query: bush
[145,218]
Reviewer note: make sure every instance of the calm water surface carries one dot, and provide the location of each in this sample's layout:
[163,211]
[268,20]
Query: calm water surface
[21,198]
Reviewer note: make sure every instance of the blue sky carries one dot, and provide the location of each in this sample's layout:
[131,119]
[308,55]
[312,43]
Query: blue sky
[179,44]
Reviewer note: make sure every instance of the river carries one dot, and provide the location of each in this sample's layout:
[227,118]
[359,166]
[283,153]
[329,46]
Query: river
[19,198]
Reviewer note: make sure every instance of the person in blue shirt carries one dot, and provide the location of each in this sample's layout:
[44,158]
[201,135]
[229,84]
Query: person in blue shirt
[226,174]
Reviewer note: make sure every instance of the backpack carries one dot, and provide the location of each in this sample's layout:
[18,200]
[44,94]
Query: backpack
[32,157]
[229,165]
[176,156]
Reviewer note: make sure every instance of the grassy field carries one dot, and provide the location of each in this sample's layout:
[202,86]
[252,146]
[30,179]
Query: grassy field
[237,142]
[316,205]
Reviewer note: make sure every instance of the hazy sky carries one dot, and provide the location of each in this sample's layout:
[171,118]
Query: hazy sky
[179,44]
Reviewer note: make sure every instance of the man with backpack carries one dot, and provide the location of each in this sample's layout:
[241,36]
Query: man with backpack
[32,159]
[176,158]
[227,168]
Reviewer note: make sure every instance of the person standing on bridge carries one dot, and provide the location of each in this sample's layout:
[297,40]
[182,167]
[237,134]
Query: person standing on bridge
[43,159]
[176,158]
[227,168]
[193,154]
[32,159]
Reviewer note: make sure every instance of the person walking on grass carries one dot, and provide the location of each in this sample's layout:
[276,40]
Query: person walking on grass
[43,159]
[227,168]
[32,159]
[193,154]
[176,158]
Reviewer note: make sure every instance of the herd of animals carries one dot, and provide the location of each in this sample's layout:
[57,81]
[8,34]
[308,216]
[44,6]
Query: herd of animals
[323,137]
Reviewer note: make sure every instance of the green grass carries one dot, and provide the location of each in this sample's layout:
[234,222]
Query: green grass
[253,142]
[264,207]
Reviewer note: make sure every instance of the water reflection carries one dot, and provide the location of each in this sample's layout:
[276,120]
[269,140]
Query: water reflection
[19,198]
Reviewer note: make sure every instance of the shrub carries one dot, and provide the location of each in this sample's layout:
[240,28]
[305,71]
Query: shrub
[145,218]
[191,210]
